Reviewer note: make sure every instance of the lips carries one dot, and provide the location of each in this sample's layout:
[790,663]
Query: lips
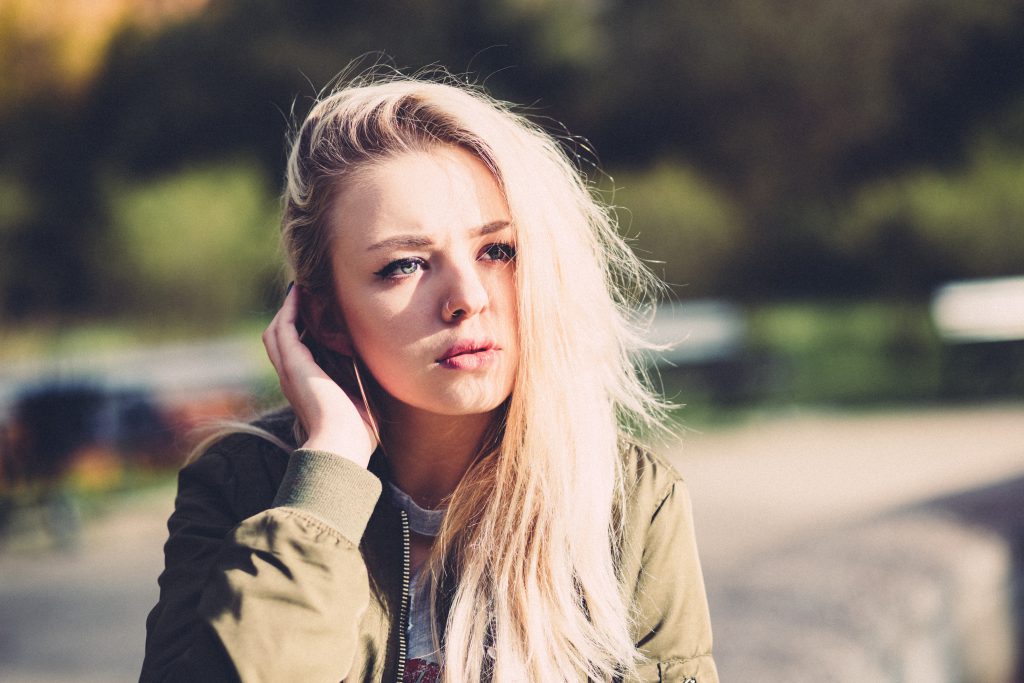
[468,354]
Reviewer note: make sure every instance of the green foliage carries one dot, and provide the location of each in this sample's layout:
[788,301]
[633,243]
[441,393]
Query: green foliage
[784,110]
[196,245]
[15,207]
[685,227]
[821,353]
[931,225]
[15,203]
[862,353]
[789,100]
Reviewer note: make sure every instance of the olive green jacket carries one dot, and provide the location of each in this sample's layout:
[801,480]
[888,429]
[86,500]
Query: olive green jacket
[296,569]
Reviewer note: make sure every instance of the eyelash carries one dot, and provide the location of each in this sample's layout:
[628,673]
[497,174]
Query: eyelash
[508,251]
[389,272]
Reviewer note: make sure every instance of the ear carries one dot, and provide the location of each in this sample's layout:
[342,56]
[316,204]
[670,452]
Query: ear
[324,322]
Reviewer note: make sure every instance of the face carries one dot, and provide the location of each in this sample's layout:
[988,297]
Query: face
[423,262]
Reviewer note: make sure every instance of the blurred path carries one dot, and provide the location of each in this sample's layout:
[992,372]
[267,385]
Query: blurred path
[755,486]
[80,616]
[820,564]
[770,481]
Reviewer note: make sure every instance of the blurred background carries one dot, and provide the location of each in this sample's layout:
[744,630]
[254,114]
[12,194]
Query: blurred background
[833,190]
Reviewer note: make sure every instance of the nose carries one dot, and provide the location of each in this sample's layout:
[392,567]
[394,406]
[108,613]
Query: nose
[467,295]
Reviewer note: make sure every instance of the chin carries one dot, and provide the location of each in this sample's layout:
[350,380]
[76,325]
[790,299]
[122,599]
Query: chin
[451,404]
[462,408]
[447,395]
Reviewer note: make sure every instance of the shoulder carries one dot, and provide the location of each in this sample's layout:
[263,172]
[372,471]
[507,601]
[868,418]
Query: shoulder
[655,510]
[243,464]
[660,569]
[648,480]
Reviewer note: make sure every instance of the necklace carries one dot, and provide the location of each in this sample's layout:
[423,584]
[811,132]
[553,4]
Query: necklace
[421,521]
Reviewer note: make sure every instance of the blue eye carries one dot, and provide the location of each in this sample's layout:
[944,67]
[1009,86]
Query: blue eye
[401,268]
[500,251]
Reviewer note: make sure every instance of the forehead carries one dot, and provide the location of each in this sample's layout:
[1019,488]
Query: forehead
[439,193]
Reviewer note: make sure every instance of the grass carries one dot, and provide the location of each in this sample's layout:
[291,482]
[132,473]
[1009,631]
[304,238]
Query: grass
[850,354]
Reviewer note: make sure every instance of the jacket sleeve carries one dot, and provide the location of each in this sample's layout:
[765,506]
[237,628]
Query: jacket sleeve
[675,625]
[276,597]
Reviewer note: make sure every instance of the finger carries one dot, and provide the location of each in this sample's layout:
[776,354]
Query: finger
[289,311]
[285,322]
[271,335]
[269,338]
[270,344]
[288,341]
[297,364]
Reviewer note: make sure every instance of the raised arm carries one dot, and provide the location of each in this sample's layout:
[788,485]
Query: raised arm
[263,577]
[278,596]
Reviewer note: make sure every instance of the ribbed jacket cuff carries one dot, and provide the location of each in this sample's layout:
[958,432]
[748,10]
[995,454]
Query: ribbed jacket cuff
[331,487]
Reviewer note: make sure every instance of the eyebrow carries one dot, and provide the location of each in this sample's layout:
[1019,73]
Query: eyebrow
[418,241]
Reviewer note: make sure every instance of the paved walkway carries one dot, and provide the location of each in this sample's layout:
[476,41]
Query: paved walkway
[772,480]
[821,566]
[80,615]
[756,487]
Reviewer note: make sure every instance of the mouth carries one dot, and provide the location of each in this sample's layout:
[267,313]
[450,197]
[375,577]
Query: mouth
[468,355]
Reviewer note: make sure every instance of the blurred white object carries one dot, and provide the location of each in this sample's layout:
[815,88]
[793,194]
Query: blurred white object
[980,310]
[699,331]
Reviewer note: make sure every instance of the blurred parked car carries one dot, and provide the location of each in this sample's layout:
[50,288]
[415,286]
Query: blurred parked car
[54,427]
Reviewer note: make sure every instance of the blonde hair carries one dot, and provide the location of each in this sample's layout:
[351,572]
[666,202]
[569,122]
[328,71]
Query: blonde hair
[532,595]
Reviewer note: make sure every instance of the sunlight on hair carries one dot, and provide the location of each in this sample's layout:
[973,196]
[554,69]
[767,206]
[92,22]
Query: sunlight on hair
[537,589]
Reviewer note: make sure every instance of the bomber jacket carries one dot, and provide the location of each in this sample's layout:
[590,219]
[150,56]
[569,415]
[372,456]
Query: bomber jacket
[295,568]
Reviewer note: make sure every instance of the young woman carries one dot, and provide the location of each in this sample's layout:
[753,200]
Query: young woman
[455,491]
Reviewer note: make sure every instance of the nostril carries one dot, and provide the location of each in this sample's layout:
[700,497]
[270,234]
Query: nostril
[453,313]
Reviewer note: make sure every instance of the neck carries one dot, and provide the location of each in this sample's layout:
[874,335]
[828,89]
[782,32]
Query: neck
[428,454]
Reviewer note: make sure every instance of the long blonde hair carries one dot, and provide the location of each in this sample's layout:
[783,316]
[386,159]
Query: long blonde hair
[534,593]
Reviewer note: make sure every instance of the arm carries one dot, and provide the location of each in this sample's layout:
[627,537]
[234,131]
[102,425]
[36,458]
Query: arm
[255,594]
[674,623]
[278,596]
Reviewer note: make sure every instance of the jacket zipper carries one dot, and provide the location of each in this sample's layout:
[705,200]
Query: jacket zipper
[403,611]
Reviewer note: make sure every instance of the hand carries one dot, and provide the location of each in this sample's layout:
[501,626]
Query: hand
[334,420]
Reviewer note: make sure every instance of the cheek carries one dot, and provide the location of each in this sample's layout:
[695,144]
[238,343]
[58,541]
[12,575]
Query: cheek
[373,332]
[509,303]
[384,339]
